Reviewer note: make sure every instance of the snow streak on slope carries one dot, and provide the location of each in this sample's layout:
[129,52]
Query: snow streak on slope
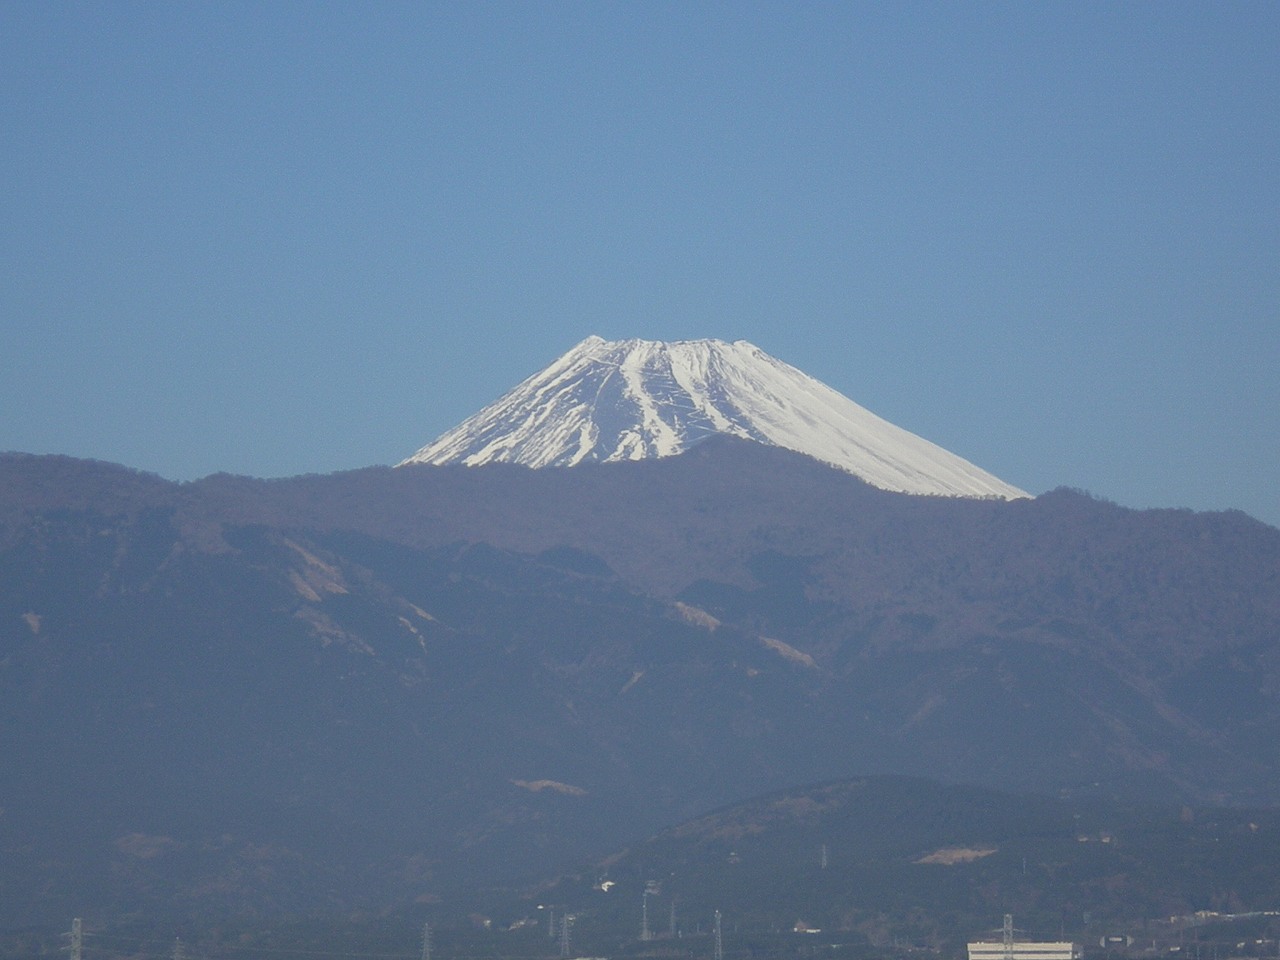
[632,399]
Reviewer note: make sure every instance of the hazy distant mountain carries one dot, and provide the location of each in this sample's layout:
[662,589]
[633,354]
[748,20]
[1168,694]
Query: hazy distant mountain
[636,399]
[370,687]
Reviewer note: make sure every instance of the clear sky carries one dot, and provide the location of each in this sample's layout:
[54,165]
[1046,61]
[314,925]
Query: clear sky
[280,238]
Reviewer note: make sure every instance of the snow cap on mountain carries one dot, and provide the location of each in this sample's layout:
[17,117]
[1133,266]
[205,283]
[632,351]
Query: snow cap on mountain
[632,399]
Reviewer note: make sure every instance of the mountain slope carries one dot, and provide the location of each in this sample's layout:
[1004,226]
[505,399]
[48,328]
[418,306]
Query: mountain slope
[636,399]
[365,688]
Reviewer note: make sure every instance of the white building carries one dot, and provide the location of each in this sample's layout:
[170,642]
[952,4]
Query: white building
[1024,950]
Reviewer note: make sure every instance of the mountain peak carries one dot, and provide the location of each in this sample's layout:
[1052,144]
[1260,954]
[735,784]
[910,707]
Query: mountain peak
[608,400]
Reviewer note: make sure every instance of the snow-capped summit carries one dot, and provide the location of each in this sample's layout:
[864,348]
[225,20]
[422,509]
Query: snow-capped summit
[632,399]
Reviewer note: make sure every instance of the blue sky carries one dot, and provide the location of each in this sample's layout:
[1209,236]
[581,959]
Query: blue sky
[280,238]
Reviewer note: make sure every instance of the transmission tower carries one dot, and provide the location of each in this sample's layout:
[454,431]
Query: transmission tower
[719,939]
[566,921]
[644,916]
[822,857]
[179,951]
[426,941]
[1008,936]
[671,921]
[77,940]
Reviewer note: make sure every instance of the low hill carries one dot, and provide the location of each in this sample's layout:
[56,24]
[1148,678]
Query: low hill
[913,861]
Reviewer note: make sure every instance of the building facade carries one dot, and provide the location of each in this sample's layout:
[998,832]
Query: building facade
[1024,950]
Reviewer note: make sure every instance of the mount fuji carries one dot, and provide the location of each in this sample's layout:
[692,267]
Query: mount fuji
[636,399]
